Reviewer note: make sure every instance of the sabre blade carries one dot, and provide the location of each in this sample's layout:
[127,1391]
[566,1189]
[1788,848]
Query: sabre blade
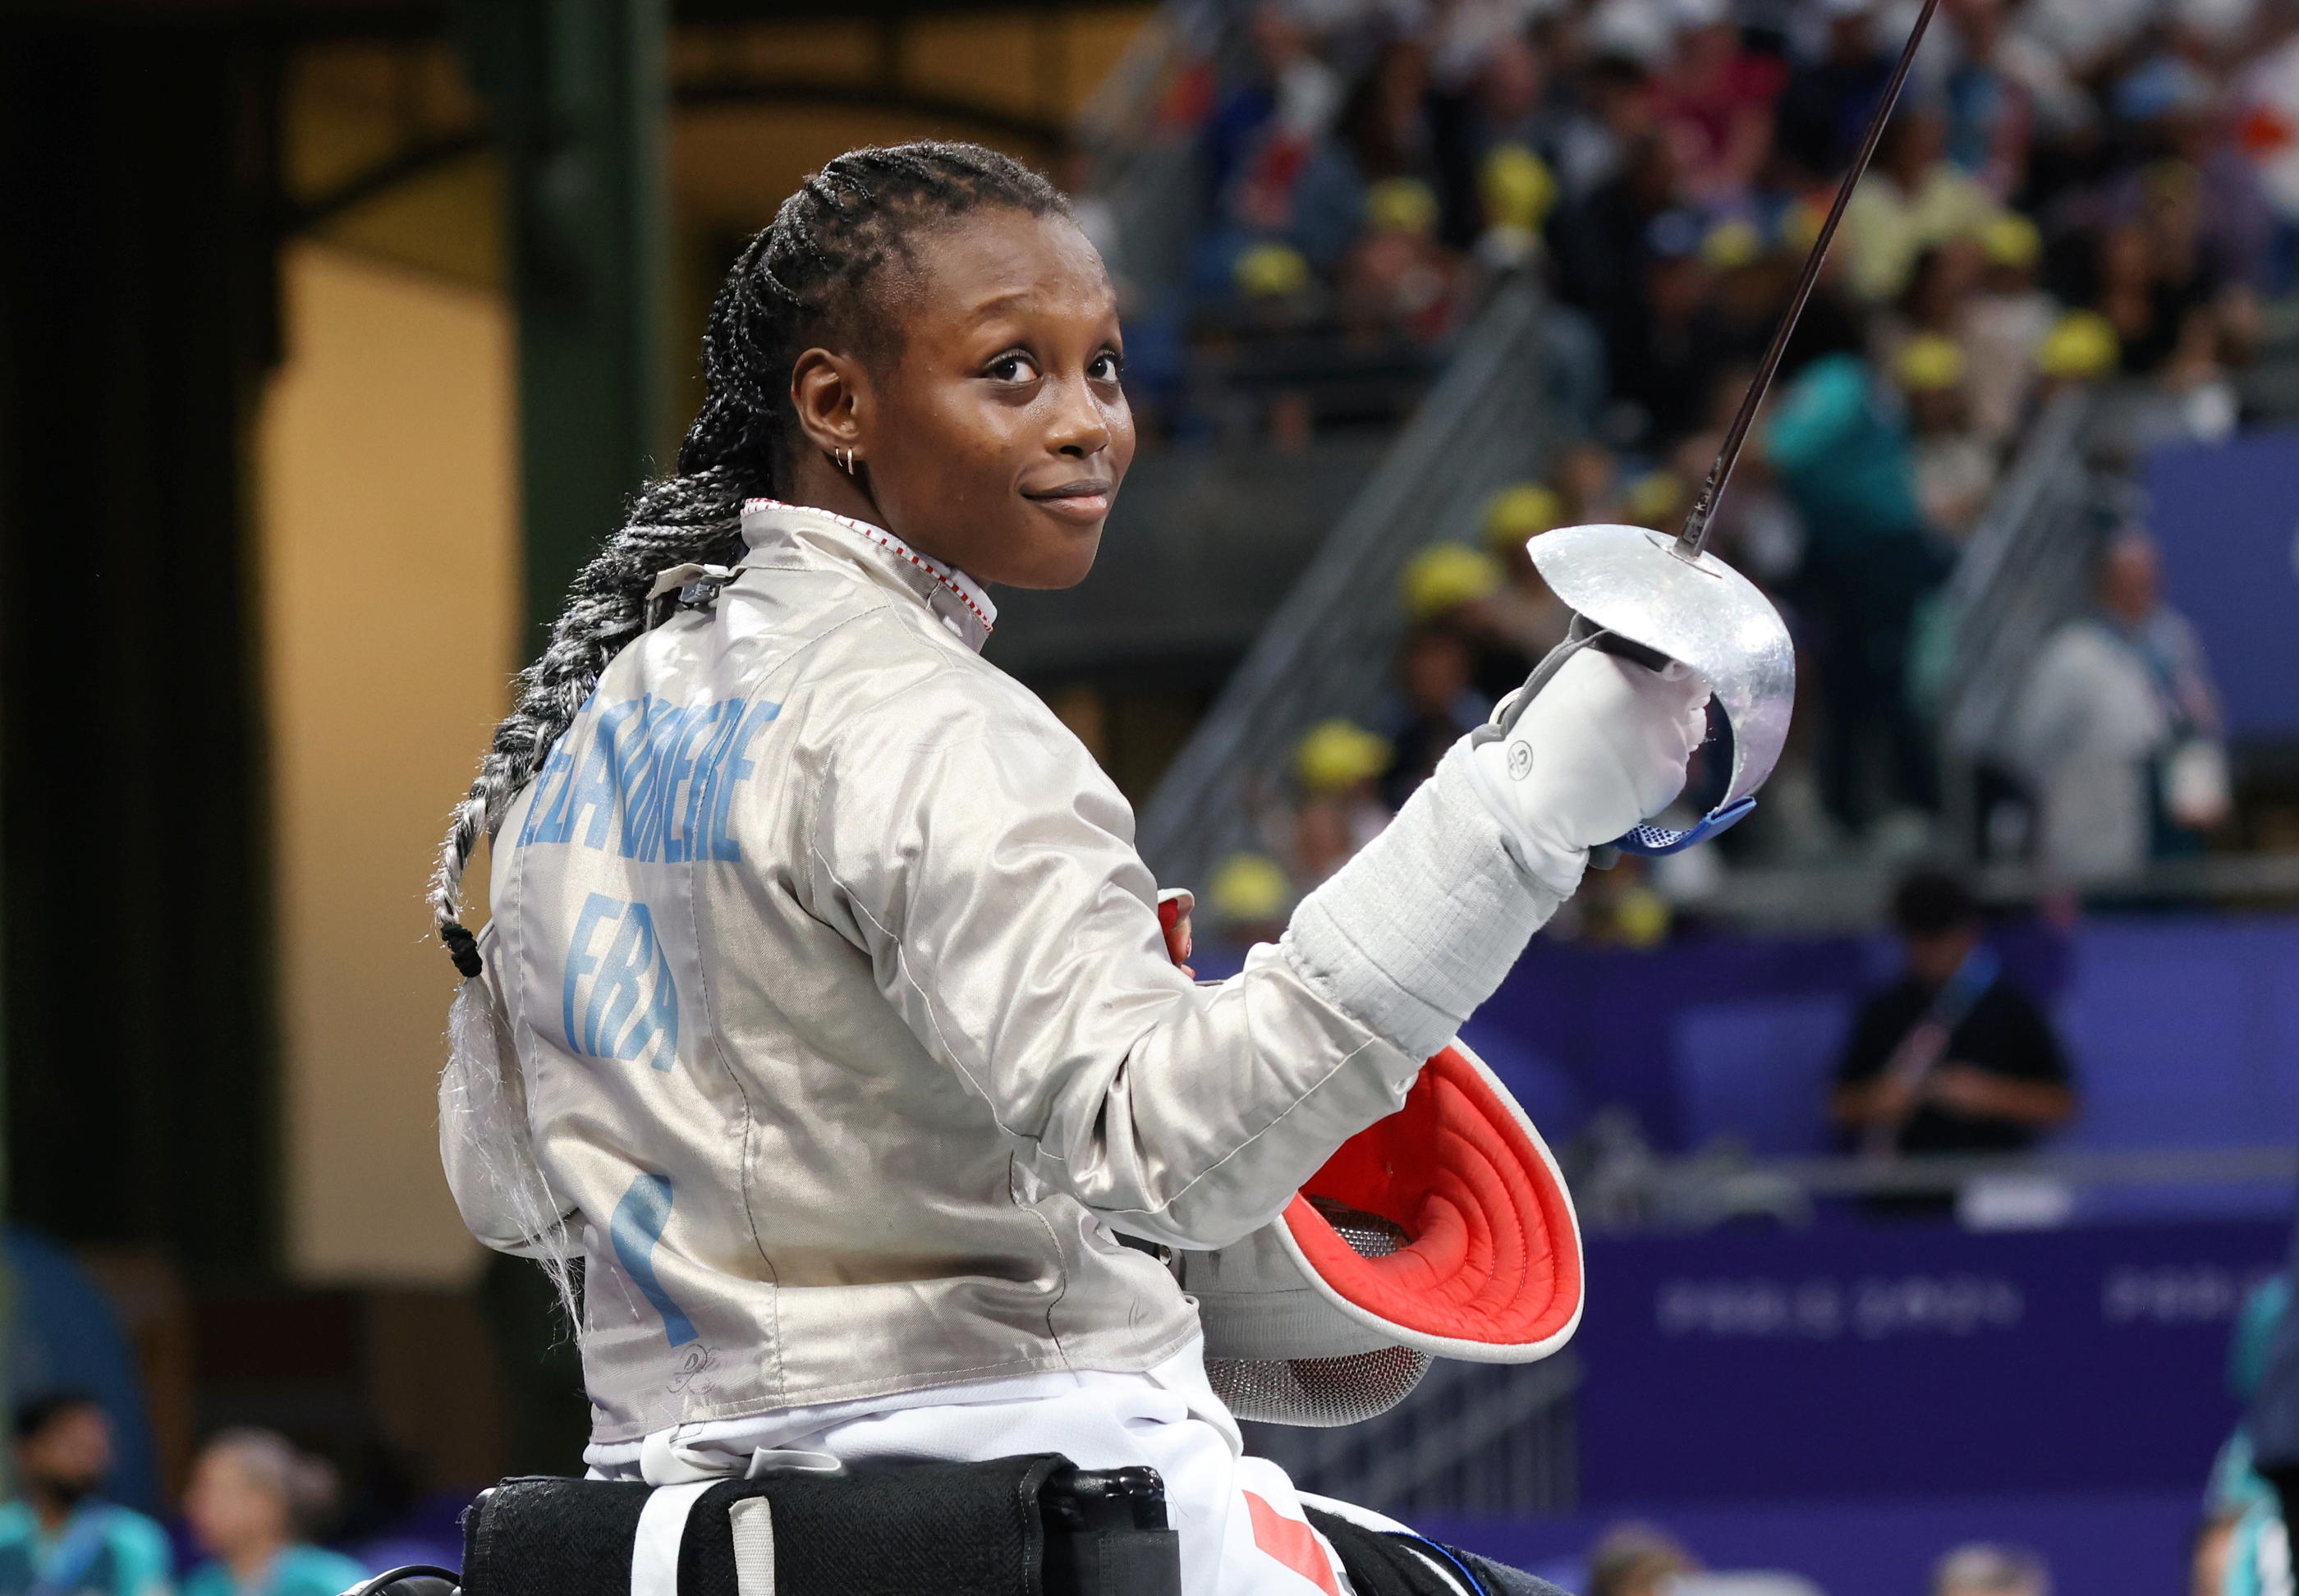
[1694,538]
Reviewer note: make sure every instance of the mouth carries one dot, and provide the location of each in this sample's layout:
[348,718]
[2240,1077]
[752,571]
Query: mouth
[1087,499]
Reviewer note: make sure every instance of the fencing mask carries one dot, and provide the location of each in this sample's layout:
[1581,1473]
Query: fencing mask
[1443,1230]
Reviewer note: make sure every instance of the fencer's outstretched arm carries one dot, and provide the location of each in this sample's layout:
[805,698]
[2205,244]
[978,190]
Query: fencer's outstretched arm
[987,869]
[1417,930]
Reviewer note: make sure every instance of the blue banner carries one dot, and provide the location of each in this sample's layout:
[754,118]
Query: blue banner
[1916,1359]
[2228,518]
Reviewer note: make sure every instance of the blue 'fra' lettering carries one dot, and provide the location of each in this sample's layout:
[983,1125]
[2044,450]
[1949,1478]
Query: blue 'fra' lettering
[629,1003]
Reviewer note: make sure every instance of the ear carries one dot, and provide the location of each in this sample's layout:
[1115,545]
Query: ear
[830,394]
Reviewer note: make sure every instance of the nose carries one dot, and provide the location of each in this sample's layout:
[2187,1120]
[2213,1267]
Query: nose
[1080,425]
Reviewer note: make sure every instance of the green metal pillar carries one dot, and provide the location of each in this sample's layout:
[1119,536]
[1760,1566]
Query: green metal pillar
[579,98]
[579,101]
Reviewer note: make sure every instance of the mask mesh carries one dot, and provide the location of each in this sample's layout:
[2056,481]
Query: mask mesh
[1325,1392]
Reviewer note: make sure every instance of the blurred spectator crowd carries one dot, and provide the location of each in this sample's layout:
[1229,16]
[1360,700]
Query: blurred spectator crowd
[2070,192]
[254,1506]
[1635,1558]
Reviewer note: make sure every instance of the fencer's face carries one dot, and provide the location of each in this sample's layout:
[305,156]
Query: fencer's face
[997,438]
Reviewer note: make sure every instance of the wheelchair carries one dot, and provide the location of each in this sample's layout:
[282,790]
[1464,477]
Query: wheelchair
[1014,1527]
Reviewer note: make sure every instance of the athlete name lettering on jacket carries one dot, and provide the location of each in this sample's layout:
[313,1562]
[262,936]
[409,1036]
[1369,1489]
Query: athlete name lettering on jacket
[657,778]
[629,1005]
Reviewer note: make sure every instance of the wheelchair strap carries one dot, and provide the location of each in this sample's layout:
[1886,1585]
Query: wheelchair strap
[680,1476]
[752,1519]
[663,1527]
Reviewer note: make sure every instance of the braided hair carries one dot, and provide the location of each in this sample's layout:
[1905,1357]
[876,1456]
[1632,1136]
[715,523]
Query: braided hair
[807,279]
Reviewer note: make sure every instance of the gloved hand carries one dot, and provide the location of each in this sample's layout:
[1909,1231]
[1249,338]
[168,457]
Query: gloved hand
[1419,927]
[1601,748]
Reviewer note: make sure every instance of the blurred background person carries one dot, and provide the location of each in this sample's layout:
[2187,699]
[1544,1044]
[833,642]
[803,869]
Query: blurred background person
[254,1504]
[1336,767]
[1400,277]
[1247,901]
[2117,730]
[1454,588]
[2265,1448]
[1436,670]
[1913,199]
[1952,1057]
[1667,363]
[2241,1511]
[1637,1559]
[1839,441]
[1523,610]
[1717,98]
[1980,1569]
[2005,324]
[1827,98]
[1955,468]
[60,1537]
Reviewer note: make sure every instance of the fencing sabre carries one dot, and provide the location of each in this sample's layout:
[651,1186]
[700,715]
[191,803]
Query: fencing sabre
[1653,599]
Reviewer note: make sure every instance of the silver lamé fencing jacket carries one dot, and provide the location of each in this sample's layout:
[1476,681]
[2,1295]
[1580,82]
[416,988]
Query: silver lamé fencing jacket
[845,1027]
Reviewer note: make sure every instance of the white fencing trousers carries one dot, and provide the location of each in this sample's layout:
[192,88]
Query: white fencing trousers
[1242,1530]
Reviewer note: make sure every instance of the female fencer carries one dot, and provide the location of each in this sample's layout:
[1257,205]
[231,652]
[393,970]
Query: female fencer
[824,1009]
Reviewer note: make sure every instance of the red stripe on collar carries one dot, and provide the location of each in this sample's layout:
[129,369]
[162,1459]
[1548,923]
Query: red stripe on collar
[892,545]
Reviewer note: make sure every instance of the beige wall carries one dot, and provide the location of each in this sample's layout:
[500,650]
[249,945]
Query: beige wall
[389,561]
[389,593]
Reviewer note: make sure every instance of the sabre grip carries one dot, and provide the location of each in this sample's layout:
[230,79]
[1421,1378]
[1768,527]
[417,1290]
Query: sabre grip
[1606,855]
[1586,634]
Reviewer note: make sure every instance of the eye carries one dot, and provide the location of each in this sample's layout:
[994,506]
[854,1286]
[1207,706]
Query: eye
[1108,366]
[1015,367]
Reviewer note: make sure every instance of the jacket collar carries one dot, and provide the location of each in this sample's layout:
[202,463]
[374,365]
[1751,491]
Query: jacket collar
[957,600]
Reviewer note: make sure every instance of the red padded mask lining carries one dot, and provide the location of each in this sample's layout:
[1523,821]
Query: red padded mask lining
[1493,1256]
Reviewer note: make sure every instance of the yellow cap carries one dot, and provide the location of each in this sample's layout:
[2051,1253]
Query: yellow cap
[1248,886]
[1271,271]
[2011,239]
[1929,363]
[1730,244]
[1656,497]
[1519,513]
[1446,576]
[2082,343]
[2170,179]
[1337,754]
[1641,917]
[1517,187]
[1401,206]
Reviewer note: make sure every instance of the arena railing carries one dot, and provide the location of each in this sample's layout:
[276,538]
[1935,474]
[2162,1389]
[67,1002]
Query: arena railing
[1621,1184]
[1328,649]
[2021,575]
[2126,1168]
[1481,1440]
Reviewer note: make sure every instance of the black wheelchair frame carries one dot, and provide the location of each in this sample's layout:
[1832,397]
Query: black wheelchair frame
[1104,1533]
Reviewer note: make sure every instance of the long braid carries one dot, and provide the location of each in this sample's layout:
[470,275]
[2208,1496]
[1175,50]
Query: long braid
[805,280]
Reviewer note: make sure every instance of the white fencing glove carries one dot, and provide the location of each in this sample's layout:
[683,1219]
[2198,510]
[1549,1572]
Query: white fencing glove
[1421,926]
[1592,753]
